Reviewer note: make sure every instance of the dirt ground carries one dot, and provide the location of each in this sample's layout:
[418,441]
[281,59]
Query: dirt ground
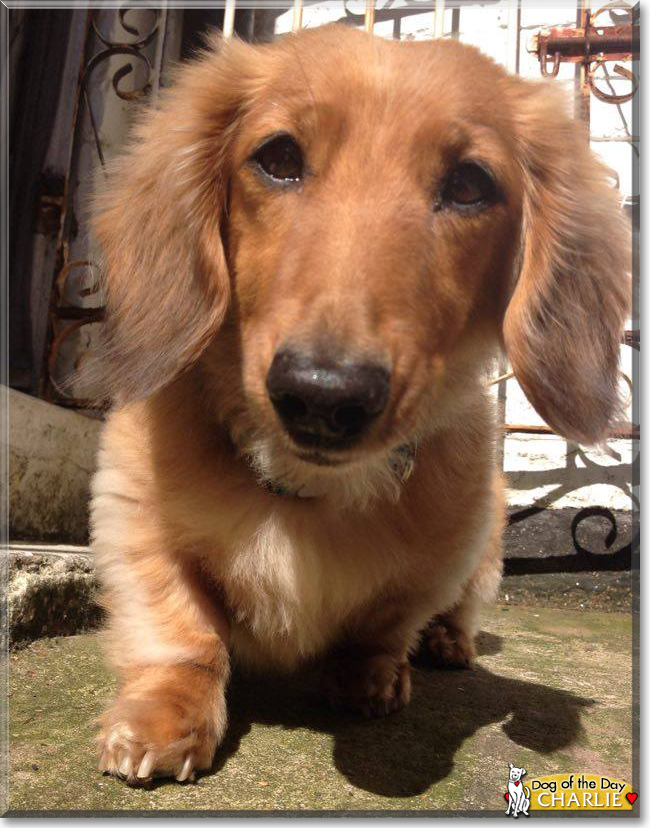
[552,691]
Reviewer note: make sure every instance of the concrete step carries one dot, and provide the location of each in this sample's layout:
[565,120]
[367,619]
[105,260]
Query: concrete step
[51,590]
[551,692]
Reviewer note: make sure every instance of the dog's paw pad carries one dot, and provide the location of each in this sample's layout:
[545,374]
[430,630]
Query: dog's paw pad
[447,647]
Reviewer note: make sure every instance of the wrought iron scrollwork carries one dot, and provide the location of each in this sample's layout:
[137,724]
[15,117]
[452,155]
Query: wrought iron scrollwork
[67,317]
[611,97]
[133,49]
[616,559]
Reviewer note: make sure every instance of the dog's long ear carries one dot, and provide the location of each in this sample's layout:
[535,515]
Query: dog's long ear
[158,224]
[565,319]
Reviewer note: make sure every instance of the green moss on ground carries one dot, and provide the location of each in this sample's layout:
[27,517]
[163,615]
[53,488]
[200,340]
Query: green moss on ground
[552,692]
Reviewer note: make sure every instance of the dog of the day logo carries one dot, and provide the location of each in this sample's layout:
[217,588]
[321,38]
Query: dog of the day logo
[567,792]
[518,796]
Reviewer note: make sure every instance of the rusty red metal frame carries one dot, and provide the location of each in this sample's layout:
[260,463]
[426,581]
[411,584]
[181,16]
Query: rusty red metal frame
[591,45]
[630,431]
[577,45]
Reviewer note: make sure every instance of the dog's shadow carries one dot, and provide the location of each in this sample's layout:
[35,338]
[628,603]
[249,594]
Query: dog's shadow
[403,754]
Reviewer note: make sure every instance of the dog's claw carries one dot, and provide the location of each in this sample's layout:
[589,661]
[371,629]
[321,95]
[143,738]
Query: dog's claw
[147,765]
[103,762]
[126,767]
[186,771]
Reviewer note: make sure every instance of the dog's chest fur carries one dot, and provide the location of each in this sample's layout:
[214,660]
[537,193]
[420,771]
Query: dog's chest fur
[290,587]
[295,587]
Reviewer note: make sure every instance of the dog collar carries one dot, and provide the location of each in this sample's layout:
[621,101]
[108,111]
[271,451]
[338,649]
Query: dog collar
[401,460]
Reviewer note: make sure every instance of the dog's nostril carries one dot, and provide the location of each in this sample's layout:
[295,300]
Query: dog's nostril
[290,407]
[350,418]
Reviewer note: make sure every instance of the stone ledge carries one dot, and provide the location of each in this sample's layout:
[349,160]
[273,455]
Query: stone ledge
[51,590]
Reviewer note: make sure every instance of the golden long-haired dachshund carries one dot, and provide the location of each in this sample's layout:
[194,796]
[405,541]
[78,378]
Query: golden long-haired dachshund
[312,250]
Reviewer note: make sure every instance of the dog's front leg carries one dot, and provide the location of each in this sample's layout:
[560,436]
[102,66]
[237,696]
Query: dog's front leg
[369,671]
[449,637]
[167,639]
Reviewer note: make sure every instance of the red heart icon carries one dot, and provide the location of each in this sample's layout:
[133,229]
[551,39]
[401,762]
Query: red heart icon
[516,784]
[507,796]
[631,798]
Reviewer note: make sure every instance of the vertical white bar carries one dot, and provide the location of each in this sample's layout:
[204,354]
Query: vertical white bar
[229,18]
[370,16]
[503,367]
[513,36]
[297,16]
[439,18]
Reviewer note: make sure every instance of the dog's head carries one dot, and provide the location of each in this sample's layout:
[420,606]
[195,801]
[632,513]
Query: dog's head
[338,228]
[516,773]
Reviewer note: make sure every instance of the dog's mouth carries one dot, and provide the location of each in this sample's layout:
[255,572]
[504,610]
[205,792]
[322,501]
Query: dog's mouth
[319,458]
[285,468]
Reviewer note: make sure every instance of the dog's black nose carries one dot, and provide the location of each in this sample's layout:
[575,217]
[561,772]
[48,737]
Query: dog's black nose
[325,403]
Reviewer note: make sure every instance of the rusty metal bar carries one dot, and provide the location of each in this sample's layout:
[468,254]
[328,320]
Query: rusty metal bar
[439,18]
[577,45]
[229,18]
[296,24]
[590,46]
[630,432]
[369,21]
[582,74]
[633,339]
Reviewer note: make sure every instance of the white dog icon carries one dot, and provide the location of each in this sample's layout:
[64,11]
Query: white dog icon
[518,793]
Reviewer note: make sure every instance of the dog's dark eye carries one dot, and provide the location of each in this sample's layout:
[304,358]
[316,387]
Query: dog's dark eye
[280,157]
[469,185]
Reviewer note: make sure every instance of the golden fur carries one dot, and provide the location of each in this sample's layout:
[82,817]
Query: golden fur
[209,271]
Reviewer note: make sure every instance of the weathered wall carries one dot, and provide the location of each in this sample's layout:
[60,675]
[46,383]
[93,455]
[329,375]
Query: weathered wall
[51,456]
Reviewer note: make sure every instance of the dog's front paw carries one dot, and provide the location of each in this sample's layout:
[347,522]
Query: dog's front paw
[169,728]
[375,686]
[447,646]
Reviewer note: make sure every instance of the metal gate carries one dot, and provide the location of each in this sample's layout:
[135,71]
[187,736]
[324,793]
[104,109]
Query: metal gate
[112,59]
